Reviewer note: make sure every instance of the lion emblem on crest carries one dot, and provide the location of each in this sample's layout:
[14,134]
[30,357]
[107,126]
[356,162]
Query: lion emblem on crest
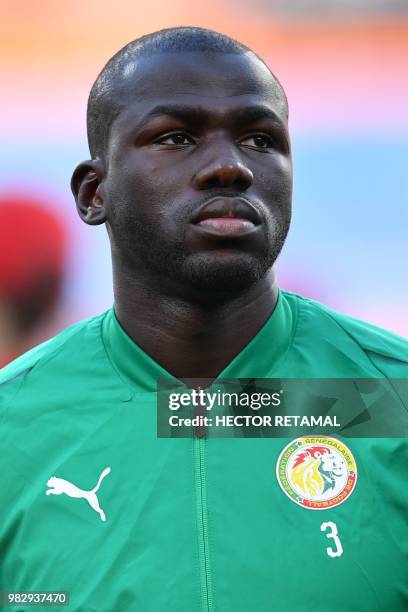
[316,469]
[316,473]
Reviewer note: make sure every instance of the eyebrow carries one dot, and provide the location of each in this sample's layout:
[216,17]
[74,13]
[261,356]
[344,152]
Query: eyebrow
[247,114]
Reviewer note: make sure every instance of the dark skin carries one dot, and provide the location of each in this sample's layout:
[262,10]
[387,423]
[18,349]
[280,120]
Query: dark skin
[192,293]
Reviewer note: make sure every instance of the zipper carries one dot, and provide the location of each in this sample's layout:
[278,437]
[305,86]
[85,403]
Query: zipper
[202,523]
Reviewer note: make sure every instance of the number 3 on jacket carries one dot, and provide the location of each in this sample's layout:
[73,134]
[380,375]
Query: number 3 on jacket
[332,534]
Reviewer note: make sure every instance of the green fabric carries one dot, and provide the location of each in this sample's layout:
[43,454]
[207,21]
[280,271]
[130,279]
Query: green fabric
[192,525]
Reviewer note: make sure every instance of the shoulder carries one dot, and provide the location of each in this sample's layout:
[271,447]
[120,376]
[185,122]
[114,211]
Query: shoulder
[68,344]
[386,350]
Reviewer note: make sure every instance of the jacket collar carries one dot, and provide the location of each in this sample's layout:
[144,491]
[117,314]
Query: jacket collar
[258,359]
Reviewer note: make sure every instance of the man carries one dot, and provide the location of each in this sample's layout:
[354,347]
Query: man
[191,172]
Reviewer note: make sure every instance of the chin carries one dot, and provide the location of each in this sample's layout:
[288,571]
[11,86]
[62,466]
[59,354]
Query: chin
[223,271]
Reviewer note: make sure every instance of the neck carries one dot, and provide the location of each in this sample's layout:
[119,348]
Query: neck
[188,337]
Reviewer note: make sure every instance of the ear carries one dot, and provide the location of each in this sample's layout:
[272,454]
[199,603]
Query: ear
[88,193]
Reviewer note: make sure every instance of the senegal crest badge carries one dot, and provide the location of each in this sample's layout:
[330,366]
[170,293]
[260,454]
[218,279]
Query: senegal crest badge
[317,472]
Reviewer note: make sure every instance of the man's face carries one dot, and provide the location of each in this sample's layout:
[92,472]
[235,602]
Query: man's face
[199,174]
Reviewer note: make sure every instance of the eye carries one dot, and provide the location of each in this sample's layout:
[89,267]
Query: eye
[257,141]
[176,138]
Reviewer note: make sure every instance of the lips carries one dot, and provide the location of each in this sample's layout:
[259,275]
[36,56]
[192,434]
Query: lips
[226,212]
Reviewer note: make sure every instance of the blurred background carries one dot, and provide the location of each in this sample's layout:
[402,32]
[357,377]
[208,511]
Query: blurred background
[343,64]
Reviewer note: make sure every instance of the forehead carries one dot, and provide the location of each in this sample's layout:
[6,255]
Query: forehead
[213,81]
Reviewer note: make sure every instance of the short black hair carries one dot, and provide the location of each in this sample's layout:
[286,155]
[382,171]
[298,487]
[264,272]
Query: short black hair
[103,101]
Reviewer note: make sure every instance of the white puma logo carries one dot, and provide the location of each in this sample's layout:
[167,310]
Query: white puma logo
[64,486]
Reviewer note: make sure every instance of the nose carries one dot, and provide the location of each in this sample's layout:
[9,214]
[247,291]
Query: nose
[224,169]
